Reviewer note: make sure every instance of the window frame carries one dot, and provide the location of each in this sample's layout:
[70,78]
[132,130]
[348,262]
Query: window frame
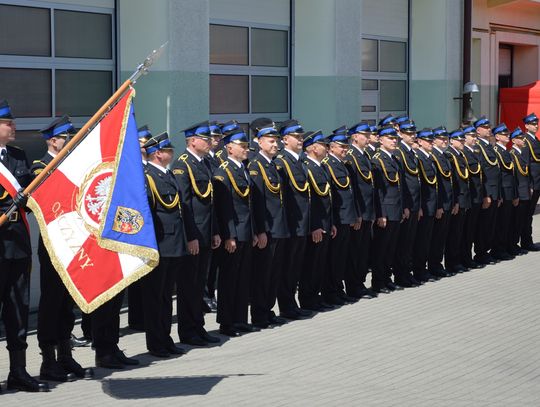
[372,97]
[254,70]
[53,63]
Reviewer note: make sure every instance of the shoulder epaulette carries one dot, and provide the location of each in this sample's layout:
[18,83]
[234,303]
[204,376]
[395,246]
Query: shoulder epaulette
[349,151]
[376,155]
[224,165]
[183,157]
[218,154]
[324,160]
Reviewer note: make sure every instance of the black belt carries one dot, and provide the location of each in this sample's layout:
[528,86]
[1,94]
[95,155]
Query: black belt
[14,217]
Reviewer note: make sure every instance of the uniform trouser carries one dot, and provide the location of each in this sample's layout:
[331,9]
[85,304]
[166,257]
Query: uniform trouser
[501,238]
[336,263]
[313,271]
[14,296]
[527,234]
[384,248]
[233,285]
[469,233]
[266,269]
[355,274]
[55,314]
[452,253]
[518,225]
[438,241]
[485,229]
[421,246]
[106,326]
[157,289]
[213,270]
[135,305]
[190,284]
[403,257]
[292,267]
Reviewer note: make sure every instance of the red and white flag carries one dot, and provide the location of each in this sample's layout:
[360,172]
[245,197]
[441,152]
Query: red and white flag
[11,185]
[93,212]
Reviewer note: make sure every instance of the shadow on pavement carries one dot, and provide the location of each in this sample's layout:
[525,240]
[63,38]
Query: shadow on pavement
[157,387]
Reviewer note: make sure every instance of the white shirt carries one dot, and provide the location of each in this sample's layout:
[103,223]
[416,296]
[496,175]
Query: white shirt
[199,159]
[408,147]
[339,159]
[159,167]
[314,160]
[212,154]
[387,153]
[359,149]
[51,154]
[470,148]
[265,157]
[438,149]
[295,155]
[239,164]
[424,152]
[483,141]
[516,148]
[501,146]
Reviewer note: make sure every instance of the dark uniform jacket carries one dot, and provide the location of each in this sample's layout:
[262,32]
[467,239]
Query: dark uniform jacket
[491,174]
[410,175]
[475,174]
[321,197]
[194,179]
[522,174]
[429,186]
[460,179]
[268,210]
[216,160]
[14,238]
[532,147]
[163,190]
[444,180]
[371,151]
[344,207]
[232,187]
[508,182]
[389,195]
[295,193]
[360,168]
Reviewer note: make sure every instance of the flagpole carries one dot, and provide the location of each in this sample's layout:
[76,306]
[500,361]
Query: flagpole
[142,69]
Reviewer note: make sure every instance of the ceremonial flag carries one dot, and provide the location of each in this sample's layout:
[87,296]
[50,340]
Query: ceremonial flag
[12,186]
[93,212]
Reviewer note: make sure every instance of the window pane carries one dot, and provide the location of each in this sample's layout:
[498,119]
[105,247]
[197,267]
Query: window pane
[228,45]
[393,56]
[268,47]
[25,31]
[368,109]
[369,55]
[83,35]
[269,94]
[28,91]
[370,84]
[393,96]
[32,143]
[81,93]
[229,94]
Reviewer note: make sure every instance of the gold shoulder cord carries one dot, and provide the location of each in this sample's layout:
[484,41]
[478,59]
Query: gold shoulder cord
[208,192]
[316,187]
[438,164]
[524,172]
[342,186]
[157,195]
[392,181]
[430,182]
[291,177]
[235,186]
[218,155]
[4,195]
[509,167]
[535,158]
[471,172]
[493,163]
[275,189]
[367,178]
[463,176]
[409,169]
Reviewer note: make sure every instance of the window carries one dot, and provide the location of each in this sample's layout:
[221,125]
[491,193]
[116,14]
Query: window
[53,61]
[249,72]
[384,77]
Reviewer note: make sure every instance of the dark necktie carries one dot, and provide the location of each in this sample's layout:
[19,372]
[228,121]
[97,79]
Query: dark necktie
[3,155]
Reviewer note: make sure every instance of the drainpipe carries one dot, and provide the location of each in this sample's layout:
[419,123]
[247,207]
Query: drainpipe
[467,41]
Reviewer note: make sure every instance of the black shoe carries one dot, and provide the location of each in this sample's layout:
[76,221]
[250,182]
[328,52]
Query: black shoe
[439,273]
[54,372]
[243,327]
[304,312]
[532,247]
[159,353]
[175,350]
[206,306]
[459,268]
[19,379]
[261,325]
[502,256]
[394,287]
[473,265]
[348,299]
[109,362]
[335,300]
[381,290]
[414,282]
[79,342]
[228,331]
[290,315]
[275,320]
[325,306]
[194,341]
[70,365]
[209,338]
[403,283]
[125,360]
